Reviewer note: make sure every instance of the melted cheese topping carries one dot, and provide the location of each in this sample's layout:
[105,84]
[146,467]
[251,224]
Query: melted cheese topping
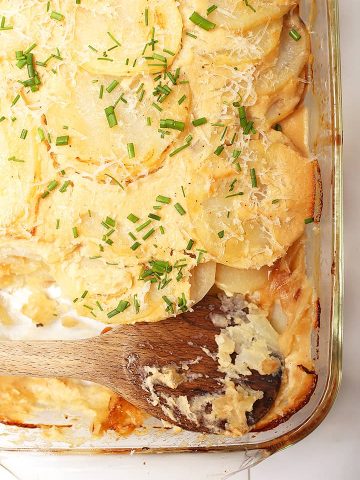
[110,192]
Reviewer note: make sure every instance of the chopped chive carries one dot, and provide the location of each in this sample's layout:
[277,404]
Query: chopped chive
[235,194]
[84,293]
[57,224]
[277,127]
[190,244]
[162,199]
[211,9]
[253,177]
[182,99]
[276,200]
[112,86]
[99,306]
[2,119]
[41,134]
[133,218]
[146,16]
[131,235]
[131,150]
[162,230]
[154,217]
[157,56]
[62,141]
[15,100]
[236,154]
[114,39]
[52,185]
[183,191]
[144,225]
[218,151]
[75,232]
[57,16]
[309,220]
[221,234]
[199,121]
[110,221]
[172,124]
[248,5]
[135,246]
[155,105]
[200,256]
[169,52]
[23,134]
[123,305]
[14,159]
[136,304]
[148,234]
[64,186]
[189,34]
[223,134]
[180,209]
[106,59]
[179,149]
[111,116]
[92,48]
[232,185]
[249,128]
[148,121]
[295,35]
[201,21]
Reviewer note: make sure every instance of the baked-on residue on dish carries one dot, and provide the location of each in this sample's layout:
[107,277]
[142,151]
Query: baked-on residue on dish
[152,150]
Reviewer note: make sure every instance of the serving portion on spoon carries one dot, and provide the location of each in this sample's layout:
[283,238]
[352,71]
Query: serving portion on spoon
[214,369]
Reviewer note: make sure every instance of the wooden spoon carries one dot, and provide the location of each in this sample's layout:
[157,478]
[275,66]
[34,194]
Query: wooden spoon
[119,359]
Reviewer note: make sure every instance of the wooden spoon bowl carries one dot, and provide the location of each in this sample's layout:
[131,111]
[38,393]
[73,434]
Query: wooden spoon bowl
[122,358]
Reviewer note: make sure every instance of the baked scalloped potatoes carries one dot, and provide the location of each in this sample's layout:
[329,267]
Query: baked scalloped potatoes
[143,164]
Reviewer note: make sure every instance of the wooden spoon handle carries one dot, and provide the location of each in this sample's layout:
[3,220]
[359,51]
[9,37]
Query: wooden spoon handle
[49,359]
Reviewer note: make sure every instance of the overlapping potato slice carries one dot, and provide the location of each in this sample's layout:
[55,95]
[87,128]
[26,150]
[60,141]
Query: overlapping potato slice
[19,165]
[236,280]
[271,109]
[123,25]
[96,148]
[248,226]
[293,56]
[244,15]
[296,127]
[224,47]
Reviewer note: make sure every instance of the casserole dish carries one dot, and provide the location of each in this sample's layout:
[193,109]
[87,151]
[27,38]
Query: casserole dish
[324,263]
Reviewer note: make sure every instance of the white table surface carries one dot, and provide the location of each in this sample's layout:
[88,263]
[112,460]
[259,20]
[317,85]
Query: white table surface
[333,450]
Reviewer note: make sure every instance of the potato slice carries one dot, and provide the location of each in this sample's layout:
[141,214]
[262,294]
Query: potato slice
[96,148]
[271,109]
[255,227]
[202,279]
[235,14]
[122,24]
[293,56]
[235,280]
[224,47]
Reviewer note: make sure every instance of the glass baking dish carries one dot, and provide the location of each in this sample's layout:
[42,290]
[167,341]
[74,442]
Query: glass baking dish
[325,266]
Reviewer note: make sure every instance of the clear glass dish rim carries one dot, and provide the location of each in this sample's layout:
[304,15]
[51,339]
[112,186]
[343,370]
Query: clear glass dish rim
[335,347]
